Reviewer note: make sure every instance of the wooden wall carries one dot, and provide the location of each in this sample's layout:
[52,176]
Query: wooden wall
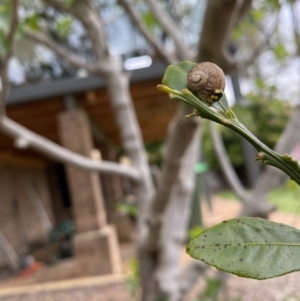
[154,110]
[19,221]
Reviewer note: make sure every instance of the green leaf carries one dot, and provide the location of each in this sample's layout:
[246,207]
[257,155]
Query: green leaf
[186,65]
[5,11]
[275,4]
[258,15]
[4,43]
[68,3]
[280,52]
[63,26]
[175,76]
[150,21]
[249,247]
[195,231]
[32,22]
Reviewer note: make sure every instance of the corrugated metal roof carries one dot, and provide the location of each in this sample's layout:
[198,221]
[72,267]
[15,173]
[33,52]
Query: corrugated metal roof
[47,89]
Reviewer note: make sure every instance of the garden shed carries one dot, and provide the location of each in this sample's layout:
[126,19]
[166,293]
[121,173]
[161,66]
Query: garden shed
[38,193]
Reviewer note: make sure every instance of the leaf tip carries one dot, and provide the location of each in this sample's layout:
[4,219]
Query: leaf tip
[163,88]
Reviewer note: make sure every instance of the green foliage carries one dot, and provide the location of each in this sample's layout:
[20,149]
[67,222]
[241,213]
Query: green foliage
[68,3]
[32,21]
[257,15]
[175,76]
[270,115]
[249,247]
[250,32]
[5,12]
[174,83]
[154,152]
[150,21]
[286,198]
[195,231]
[211,290]
[227,195]
[127,208]
[63,26]
[280,52]
[133,281]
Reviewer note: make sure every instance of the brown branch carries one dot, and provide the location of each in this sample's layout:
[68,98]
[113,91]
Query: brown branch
[242,10]
[87,13]
[217,25]
[56,4]
[171,29]
[129,7]
[5,59]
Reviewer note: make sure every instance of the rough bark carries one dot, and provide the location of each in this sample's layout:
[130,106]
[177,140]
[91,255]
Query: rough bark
[213,45]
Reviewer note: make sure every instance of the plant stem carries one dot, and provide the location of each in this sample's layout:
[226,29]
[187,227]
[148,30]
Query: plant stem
[267,155]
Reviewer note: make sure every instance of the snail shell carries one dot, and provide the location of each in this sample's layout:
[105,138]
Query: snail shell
[208,80]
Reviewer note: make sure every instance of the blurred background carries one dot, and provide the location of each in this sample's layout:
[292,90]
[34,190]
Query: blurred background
[103,180]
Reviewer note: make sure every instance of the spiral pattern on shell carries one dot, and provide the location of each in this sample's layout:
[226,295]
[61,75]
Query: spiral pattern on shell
[206,78]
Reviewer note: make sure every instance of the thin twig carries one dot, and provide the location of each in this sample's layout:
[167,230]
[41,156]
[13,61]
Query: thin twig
[63,52]
[258,50]
[129,7]
[56,4]
[170,28]
[224,161]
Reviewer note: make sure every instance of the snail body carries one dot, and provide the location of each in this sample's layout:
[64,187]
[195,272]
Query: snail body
[208,80]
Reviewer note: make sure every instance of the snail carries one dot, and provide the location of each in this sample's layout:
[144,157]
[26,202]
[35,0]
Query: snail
[208,80]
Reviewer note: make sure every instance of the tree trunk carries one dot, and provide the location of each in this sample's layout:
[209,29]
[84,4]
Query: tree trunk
[175,225]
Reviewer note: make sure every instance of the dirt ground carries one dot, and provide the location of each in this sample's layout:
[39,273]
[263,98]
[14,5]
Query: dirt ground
[285,288]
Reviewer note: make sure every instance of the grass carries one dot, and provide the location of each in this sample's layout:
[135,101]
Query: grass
[285,198]
[227,195]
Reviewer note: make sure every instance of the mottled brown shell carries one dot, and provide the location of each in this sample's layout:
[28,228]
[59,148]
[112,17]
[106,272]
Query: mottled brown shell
[207,79]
